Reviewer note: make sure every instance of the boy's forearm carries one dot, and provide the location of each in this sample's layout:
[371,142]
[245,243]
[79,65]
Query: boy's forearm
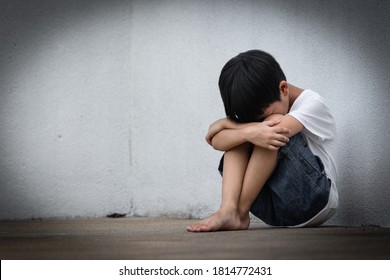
[230,137]
[228,124]
[267,134]
[227,139]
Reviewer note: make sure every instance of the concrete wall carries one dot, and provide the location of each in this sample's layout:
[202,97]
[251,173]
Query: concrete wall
[104,104]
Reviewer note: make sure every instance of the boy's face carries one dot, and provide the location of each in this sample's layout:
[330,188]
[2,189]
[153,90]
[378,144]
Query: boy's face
[277,107]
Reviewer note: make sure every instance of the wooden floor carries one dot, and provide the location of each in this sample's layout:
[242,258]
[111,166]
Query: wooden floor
[141,238]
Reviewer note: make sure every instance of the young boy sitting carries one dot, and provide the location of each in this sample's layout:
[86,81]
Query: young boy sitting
[279,144]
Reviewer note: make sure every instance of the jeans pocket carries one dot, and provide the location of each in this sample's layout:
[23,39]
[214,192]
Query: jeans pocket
[314,169]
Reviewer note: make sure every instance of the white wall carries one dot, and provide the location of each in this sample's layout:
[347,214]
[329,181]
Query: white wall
[104,104]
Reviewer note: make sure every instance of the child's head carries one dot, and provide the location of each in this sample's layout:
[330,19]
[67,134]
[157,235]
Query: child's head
[249,83]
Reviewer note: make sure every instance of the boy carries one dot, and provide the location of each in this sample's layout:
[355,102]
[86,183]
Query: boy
[279,144]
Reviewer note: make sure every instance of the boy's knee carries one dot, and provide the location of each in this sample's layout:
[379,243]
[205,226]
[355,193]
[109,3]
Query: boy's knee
[274,117]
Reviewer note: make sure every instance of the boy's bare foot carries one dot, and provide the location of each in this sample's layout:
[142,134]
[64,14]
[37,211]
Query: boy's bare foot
[245,221]
[221,220]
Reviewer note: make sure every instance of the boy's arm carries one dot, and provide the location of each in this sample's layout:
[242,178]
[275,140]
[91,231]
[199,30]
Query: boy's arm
[225,134]
[287,121]
[292,126]
[220,125]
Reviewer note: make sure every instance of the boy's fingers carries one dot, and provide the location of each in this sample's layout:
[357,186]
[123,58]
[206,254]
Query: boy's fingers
[282,130]
[272,123]
[273,148]
[282,138]
[278,144]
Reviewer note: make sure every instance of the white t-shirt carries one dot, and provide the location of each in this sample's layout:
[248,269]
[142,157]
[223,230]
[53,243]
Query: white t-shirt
[320,133]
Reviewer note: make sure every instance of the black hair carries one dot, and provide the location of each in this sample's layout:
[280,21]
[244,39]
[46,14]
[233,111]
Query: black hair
[249,83]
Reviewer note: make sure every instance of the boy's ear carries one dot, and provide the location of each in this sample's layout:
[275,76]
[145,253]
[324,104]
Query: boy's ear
[283,87]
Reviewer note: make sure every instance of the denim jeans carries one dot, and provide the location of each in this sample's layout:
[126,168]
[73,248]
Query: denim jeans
[297,190]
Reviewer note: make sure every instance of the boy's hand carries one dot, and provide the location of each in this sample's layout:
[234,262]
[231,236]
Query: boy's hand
[267,136]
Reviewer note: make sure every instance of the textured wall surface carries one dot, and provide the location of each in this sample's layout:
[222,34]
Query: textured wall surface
[104,104]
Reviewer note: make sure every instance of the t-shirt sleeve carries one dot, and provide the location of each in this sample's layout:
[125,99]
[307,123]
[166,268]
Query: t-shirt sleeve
[315,116]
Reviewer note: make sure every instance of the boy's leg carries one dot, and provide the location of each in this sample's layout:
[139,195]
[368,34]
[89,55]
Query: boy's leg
[260,168]
[297,190]
[227,218]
